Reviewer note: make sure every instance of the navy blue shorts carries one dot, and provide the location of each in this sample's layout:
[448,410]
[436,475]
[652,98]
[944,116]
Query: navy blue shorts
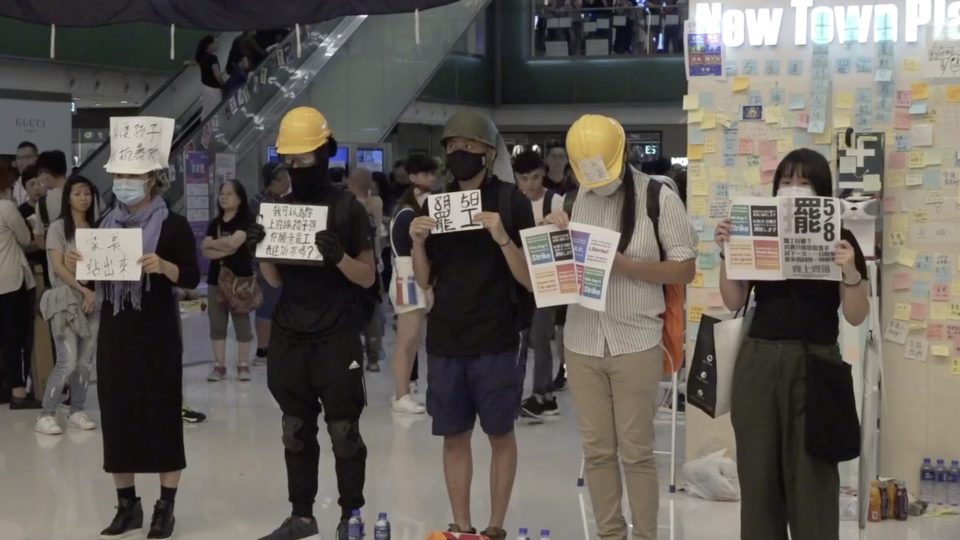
[460,389]
[270,297]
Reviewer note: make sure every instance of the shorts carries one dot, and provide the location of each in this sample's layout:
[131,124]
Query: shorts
[270,297]
[462,388]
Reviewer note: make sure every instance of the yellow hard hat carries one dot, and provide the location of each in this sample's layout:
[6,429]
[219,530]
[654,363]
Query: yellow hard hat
[302,130]
[595,145]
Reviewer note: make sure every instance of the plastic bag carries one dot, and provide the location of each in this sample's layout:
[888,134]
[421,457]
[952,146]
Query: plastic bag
[713,477]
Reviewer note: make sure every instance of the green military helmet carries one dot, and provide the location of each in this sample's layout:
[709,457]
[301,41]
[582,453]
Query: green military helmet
[471,125]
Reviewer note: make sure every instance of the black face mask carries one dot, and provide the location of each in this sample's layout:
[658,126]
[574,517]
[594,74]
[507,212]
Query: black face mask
[307,184]
[464,166]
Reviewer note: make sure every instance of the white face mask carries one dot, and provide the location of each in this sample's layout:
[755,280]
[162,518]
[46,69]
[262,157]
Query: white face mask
[608,189]
[796,191]
[129,191]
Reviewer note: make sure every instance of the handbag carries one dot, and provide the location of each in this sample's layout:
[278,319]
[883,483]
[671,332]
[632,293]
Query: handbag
[710,384]
[236,294]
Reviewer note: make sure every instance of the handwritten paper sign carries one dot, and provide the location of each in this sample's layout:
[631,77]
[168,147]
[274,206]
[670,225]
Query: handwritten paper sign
[291,231]
[109,254]
[139,144]
[943,60]
[454,211]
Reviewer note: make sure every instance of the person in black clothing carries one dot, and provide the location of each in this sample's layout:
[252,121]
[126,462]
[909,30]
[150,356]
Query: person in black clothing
[315,351]
[238,76]
[211,75]
[481,289]
[225,246]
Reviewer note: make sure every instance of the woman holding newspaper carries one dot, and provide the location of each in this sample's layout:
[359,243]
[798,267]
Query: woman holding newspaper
[785,478]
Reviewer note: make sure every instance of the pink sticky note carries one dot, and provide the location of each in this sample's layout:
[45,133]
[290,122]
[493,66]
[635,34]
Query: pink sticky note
[890,204]
[803,120]
[904,98]
[769,163]
[918,312]
[901,120]
[745,146]
[714,299]
[898,160]
[901,281]
[953,330]
[768,148]
[941,292]
[936,332]
[766,177]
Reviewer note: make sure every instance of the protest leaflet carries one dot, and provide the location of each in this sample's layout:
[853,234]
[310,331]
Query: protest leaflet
[291,232]
[454,211]
[109,254]
[570,266]
[777,238]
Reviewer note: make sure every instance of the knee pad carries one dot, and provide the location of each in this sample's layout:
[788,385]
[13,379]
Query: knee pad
[291,425]
[346,439]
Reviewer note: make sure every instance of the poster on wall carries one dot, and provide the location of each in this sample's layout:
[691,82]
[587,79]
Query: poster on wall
[44,123]
[703,54]
[226,167]
[943,60]
[860,165]
[196,174]
[777,238]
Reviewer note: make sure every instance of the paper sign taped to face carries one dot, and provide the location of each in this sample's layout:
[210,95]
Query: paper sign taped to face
[291,231]
[455,211]
[593,170]
[139,144]
[109,254]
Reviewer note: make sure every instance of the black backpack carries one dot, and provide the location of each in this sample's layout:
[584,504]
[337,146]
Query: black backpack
[369,298]
[519,294]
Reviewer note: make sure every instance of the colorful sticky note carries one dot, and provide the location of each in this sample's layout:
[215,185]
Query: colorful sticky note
[918,312]
[697,280]
[956,367]
[904,98]
[953,93]
[901,281]
[940,350]
[901,312]
[694,313]
[939,311]
[709,121]
[691,102]
[699,187]
[740,84]
[920,90]
[918,160]
[695,151]
[907,257]
[745,146]
[902,120]
[936,331]
[845,100]
[695,117]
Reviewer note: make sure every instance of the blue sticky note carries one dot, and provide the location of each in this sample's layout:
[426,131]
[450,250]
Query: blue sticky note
[721,191]
[863,122]
[698,222]
[931,178]
[924,263]
[817,126]
[755,98]
[921,289]
[729,161]
[706,100]
[903,142]
[801,139]
[918,107]
[883,116]
[706,235]
[798,102]
[776,96]
[706,261]
[731,69]
[864,95]
[696,136]
[771,68]
[843,66]
[795,68]
[883,75]
[750,67]
[864,64]
[943,274]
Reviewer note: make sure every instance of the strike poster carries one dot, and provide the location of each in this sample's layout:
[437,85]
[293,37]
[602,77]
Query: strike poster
[291,232]
[777,238]
[570,266]
[454,211]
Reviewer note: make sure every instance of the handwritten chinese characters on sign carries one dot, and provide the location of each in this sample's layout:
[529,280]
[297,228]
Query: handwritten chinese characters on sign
[109,254]
[455,211]
[291,231]
[139,144]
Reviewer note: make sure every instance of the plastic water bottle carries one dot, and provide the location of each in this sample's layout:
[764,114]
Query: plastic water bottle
[381,530]
[544,534]
[524,534]
[928,481]
[954,489]
[940,491]
[355,526]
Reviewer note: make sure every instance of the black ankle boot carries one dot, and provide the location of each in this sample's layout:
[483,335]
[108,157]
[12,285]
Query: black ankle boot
[161,526]
[129,518]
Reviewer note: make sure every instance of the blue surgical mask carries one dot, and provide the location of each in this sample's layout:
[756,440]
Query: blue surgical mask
[129,191]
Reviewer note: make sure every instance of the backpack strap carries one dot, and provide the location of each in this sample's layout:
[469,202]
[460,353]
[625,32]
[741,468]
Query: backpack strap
[342,215]
[568,201]
[653,211]
[505,206]
[44,213]
[548,203]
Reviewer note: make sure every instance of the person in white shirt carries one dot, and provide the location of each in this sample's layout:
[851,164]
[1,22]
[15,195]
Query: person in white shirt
[26,156]
[52,170]
[529,171]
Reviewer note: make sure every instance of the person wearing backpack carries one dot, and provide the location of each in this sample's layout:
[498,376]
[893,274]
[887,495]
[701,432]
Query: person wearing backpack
[613,357]
[529,170]
[482,299]
[315,356]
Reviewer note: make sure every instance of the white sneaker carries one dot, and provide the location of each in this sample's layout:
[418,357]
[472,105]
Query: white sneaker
[407,405]
[80,420]
[47,425]
[414,387]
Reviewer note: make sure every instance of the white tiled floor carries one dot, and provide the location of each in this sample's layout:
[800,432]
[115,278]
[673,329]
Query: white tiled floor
[234,486]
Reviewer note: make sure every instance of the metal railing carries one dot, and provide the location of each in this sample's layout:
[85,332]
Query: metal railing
[603,28]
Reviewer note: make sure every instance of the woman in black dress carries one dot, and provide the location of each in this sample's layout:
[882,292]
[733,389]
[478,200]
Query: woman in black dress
[139,354]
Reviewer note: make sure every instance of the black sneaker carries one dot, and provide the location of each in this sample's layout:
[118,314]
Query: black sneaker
[343,529]
[127,522]
[454,528]
[191,416]
[560,383]
[161,526]
[25,403]
[294,528]
[532,408]
[550,407]
[494,533]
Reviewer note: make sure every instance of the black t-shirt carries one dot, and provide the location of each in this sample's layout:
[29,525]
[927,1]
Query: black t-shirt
[207,77]
[318,301]
[27,210]
[475,312]
[802,309]
[241,262]
[400,233]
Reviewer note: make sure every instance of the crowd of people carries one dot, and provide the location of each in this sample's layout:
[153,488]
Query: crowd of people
[319,327]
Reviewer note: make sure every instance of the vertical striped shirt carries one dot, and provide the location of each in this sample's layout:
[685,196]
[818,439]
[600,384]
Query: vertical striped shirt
[631,322]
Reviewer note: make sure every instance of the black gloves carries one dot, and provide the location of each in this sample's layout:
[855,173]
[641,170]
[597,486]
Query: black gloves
[255,234]
[330,247]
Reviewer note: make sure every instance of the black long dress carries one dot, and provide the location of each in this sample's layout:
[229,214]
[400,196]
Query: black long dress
[139,367]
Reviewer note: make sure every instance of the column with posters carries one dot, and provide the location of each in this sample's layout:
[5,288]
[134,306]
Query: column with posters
[196,168]
[777,238]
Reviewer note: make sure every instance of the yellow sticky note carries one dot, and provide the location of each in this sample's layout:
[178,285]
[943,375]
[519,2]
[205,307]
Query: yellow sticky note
[695,313]
[920,91]
[899,223]
[911,65]
[845,100]
[724,120]
[907,257]
[697,280]
[918,159]
[784,146]
[902,312]
[709,121]
[896,179]
[695,117]
[741,84]
[955,311]
[710,145]
[956,366]
[695,151]
[920,215]
[824,138]
[932,157]
[955,287]
[939,311]
[698,206]
[691,102]
[953,93]
[718,176]
[753,176]
[940,350]
[699,187]
[774,115]
[842,119]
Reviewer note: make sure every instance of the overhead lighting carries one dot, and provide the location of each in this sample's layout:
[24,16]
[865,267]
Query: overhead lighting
[123,101]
